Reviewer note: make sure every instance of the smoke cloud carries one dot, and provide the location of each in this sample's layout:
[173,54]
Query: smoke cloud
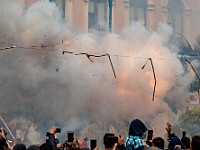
[45,87]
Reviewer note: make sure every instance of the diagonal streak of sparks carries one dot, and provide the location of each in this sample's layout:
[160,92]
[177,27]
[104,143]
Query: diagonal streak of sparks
[154,75]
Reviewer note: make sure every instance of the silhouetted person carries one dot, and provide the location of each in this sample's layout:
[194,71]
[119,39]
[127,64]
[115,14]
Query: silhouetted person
[158,143]
[19,147]
[3,138]
[177,147]
[33,147]
[109,145]
[173,139]
[3,144]
[46,146]
[185,140]
[173,142]
[195,144]
[135,140]
[53,139]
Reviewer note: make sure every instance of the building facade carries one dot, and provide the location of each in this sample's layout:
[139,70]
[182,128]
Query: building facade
[88,15]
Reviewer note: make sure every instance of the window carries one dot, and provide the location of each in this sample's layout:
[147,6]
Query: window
[137,10]
[98,15]
[175,15]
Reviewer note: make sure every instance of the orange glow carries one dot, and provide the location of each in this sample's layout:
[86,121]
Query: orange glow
[122,88]
[65,42]
[123,91]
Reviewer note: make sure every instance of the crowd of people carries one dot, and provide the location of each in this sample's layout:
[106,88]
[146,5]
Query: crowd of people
[135,141]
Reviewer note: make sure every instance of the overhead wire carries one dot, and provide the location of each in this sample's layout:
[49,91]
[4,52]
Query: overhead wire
[42,47]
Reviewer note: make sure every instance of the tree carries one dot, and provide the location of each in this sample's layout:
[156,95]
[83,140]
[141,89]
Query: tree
[189,52]
[190,121]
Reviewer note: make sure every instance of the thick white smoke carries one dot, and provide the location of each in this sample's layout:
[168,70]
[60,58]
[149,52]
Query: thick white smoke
[50,88]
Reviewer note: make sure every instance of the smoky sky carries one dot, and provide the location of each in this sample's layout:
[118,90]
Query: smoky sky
[45,87]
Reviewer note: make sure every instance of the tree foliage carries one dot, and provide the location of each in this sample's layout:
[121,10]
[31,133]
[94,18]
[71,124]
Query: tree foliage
[190,52]
[190,121]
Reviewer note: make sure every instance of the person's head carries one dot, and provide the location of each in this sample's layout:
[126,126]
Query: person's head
[195,144]
[82,143]
[158,142]
[33,147]
[19,147]
[183,133]
[46,146]
[3,144]
[3,131]
[137,128]
[177,147]
[107,143]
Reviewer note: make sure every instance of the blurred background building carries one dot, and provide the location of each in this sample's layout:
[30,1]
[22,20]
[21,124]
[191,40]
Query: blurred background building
[89,15]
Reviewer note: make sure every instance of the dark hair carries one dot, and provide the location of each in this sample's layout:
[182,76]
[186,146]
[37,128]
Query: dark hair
[46,146]
[195,142]
[33,147]
[5,133]
[3,143]
[186,141]
[158,142]
[137,128]
[19,147]
[106,142]
[183,133]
